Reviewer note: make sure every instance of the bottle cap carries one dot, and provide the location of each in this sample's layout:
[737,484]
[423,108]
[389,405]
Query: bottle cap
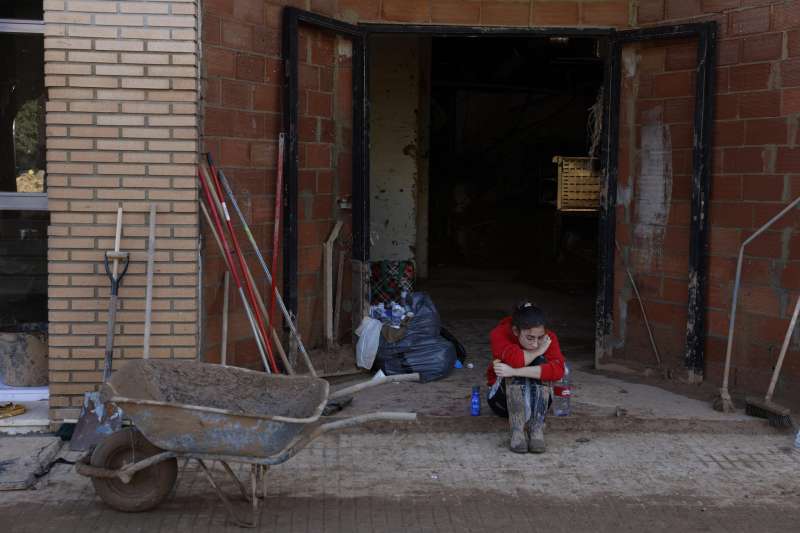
[476,388]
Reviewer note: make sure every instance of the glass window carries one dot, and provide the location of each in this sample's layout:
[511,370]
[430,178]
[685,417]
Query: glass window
[22,114]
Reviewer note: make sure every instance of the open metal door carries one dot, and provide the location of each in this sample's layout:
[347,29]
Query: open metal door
[655,198]
[325,118]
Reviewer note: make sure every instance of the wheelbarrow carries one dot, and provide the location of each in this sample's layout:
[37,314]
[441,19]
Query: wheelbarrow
[190,410]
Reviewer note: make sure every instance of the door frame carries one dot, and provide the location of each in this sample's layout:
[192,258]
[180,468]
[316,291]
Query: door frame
[705,32]
[706,35]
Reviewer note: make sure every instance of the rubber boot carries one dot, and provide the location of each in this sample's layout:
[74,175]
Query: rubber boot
[516,417]
[536,442]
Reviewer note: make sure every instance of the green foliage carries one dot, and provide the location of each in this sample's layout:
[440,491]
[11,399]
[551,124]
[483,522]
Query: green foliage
[26,136]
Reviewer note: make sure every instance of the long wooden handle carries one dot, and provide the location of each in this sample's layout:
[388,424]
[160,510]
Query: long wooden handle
[117,239]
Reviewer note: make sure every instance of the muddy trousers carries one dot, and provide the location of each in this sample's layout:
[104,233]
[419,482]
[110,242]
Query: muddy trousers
[537,399]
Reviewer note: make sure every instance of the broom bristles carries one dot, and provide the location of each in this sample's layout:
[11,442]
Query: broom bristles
[776,415]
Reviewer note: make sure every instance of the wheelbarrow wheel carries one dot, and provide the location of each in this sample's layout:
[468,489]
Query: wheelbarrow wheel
[147,488]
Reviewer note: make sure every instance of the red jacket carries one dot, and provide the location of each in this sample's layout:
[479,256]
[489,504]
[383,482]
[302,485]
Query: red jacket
[505,346]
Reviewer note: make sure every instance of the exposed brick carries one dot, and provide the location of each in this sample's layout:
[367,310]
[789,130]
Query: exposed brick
[755,20]
[237,35]
[763,187]
[768,244]
[250,68]
[788,160]
[508,13]
[790,101]
[650,11]
[759,104]
[604,13]
[673,84]
[762,47]
[676,9]
[715,6]
[750,77]
[681,56]
[743,160]
[786,15]
[766,131]
[405,10]
[729,133]
[790,73]
[464,12]
[760,300]
[793,45]
[726,106]
[362,9]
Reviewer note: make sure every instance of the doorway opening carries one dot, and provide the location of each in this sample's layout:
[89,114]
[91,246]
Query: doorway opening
[465,138]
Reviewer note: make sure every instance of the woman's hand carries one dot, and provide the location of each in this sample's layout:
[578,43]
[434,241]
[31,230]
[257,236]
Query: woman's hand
[502,370]
[543,346]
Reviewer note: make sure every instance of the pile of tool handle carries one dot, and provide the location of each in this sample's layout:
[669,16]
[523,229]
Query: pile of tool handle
[216,197]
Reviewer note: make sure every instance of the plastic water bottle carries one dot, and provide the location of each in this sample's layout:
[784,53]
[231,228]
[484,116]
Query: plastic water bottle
[562,394]
[797,441]
[405,301]
[397,315]
[475,402]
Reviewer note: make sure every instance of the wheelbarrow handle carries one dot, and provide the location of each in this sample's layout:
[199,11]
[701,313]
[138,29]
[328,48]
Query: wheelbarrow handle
[347,391]
[363,419]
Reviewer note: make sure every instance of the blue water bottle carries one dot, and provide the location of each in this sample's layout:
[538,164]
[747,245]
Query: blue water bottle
[475,403]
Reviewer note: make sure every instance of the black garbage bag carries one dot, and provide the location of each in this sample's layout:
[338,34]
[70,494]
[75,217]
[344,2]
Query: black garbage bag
[433,360]
[422,349]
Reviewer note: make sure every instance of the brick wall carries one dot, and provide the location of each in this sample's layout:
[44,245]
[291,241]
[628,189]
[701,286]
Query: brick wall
[756,171]
[241,106]
[121,129]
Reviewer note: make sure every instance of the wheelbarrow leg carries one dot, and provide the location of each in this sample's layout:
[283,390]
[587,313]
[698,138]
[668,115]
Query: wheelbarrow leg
[224,498]
[254,485]
[262,473]
[239,483]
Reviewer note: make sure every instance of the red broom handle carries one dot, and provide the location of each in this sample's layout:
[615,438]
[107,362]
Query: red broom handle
[240,256]
[232,264]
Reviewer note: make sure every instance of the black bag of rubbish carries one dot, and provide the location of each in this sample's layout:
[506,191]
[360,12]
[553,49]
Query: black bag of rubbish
[426,321]
[461,353]
[433,358]
[421,349]
[423,327]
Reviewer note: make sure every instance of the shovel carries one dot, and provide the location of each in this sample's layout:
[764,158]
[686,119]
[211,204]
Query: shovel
[98,419]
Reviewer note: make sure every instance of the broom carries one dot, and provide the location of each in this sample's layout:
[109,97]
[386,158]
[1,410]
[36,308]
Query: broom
[777,415]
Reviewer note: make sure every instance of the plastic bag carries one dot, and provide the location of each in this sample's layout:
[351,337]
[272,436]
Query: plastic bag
[369,336]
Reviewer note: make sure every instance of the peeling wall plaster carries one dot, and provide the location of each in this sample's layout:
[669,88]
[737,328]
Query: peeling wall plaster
[394,98]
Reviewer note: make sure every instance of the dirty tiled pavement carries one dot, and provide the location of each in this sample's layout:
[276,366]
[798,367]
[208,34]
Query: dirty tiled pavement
[419,481]
[446,476]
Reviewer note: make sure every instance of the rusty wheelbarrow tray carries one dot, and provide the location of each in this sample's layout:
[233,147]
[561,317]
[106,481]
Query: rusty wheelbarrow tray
[191,410]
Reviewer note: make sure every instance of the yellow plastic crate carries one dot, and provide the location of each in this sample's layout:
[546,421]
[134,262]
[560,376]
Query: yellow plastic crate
[578,184]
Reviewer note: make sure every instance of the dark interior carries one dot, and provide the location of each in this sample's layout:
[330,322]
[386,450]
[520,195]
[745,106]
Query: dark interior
[23,233]
[501,109]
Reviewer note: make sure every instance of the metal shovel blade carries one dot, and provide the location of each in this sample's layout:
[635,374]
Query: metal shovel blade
[97,421]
